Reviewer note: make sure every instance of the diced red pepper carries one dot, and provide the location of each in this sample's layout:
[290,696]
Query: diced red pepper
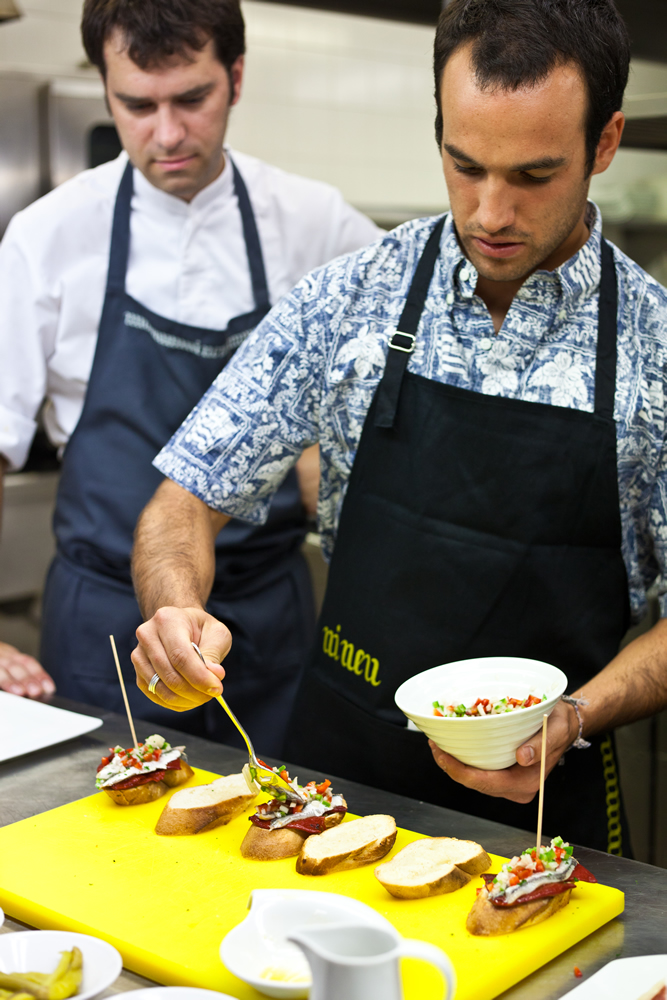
[436,711]
[321,789]
[577,971]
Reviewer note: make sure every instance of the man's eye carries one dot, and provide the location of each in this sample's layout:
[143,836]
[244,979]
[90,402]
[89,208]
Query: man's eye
[191,101]
[538,180]
[139,108]
[471,171]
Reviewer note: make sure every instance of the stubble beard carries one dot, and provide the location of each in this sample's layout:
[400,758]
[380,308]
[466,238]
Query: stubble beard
[537,253]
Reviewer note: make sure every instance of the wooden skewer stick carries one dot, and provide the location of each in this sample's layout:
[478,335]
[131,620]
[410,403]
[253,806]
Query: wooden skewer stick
[543,762]
[122,687]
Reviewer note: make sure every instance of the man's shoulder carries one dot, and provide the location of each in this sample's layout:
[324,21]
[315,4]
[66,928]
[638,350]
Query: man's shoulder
[74,203]
[641,287]
[268,182]
[391,257]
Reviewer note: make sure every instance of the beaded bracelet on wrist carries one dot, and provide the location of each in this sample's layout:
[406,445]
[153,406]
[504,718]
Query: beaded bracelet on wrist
[580,743]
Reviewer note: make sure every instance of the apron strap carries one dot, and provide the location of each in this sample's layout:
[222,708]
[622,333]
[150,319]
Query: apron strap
[402,341]
[120,233]
[605,370]
[120,238]
[260,288]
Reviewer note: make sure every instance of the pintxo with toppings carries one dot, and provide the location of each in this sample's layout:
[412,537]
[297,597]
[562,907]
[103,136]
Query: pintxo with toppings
[280,826]
[142,773]
[527,890]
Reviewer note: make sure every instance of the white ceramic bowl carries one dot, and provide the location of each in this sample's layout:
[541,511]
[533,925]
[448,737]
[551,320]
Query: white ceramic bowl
[489,741]
[39,951]
[260,941]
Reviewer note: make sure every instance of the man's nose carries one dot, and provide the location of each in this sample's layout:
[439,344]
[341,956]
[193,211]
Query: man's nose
[169,130]
[496,209]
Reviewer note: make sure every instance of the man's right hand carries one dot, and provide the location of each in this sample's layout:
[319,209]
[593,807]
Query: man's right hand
[165,648]
[22,675]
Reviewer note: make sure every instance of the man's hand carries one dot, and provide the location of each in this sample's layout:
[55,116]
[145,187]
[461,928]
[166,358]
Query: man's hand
[520,782]
[22,675]
[165,648]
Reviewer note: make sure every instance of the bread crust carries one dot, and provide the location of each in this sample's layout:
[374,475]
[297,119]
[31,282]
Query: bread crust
[343,860]
[151,790]
[178,820]
[138,795]
[448,882]
[179,775]
[487,920]
[271,845]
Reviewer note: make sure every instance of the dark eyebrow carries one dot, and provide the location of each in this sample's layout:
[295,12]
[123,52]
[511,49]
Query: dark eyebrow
[187,95]
[546,163]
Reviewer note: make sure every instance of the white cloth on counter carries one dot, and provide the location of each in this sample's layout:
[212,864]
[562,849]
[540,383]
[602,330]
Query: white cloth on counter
[187,263]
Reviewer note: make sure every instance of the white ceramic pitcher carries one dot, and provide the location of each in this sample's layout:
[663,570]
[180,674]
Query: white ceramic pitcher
[356,962]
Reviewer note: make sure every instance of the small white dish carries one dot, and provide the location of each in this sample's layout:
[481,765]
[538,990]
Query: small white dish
[175,993]
[623,979]
[26,726]
[489,741]
[2,918]
[39,951]
[260,942]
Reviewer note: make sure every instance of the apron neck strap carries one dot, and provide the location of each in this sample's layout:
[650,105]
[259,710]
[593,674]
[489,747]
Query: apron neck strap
[120,232]
[605,365]
[260,288]
[402,341]
[120,237]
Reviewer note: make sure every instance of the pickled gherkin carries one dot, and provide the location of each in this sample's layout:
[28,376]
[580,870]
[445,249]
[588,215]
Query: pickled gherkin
[58,985]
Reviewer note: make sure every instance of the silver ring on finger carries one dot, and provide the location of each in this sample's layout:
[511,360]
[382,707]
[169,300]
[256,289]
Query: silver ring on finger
[153,683]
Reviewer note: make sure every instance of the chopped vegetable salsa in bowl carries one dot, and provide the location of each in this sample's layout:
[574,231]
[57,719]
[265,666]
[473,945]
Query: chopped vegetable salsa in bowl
[485,706]
[471,708]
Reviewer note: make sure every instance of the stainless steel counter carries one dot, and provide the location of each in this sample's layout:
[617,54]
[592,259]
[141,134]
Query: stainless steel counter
[39,781]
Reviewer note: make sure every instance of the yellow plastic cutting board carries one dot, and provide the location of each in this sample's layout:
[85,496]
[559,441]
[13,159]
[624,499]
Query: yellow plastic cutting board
[167,902]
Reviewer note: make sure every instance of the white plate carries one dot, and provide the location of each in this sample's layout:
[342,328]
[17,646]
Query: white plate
[30,725]
[39,951]
[259,942]
[623,979]
[2,918]
[175,993]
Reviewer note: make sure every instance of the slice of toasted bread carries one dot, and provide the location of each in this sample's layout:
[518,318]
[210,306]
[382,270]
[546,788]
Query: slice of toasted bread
[193,810]
[487,920]
[465,854]
[270,845]
[148,792]
[350,845]
[426,868]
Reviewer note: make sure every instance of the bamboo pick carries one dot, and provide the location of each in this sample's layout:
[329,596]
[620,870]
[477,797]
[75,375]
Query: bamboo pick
[542,767]
[122,687]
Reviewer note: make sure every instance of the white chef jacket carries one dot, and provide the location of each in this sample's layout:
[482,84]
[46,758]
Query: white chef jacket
[187,262]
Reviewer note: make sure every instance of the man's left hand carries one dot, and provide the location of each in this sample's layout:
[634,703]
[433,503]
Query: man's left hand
[520,782]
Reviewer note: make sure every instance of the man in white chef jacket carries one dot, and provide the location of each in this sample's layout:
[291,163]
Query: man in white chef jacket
[124,292]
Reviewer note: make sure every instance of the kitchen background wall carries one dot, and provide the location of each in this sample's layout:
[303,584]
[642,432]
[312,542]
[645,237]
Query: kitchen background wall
[341,98]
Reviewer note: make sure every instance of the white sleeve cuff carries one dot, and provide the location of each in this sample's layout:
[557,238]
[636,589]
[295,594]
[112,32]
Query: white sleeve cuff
[16,434]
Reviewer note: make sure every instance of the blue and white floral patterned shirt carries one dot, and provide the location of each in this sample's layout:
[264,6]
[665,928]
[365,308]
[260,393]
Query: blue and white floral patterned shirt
[309,371]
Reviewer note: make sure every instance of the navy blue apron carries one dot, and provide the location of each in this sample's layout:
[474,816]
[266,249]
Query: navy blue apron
[473,525]
[148,373]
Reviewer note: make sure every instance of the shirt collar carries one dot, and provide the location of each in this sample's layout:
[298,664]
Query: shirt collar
[577,278]
[160,201]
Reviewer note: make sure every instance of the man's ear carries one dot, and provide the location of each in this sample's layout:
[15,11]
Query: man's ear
[236,76]
[609,142]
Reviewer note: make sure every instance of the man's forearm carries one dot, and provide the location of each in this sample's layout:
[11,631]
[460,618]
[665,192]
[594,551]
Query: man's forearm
[173,561]
[633,686]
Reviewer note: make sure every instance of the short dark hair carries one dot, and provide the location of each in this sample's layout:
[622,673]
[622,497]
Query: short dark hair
[158,29]
[519,42]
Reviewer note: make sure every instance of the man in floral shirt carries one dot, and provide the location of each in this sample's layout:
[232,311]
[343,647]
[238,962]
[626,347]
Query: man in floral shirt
[493,475]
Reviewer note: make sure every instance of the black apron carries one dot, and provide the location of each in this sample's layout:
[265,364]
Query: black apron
[148,373]
[473,525]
